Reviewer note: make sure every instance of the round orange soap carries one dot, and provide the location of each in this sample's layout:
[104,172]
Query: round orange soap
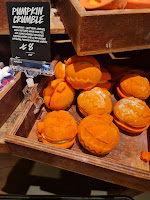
[134,85]
[58,95]
[58,128]
[98,134]
[94,101]
[82,72]
[132,115]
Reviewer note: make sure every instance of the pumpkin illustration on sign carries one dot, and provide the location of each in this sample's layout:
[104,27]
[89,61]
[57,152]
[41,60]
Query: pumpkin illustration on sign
[58,128]
[82,72]
[103,4]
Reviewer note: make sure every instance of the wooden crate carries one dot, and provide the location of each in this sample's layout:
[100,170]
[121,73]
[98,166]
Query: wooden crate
[11,96]
[104,31]
[121,166]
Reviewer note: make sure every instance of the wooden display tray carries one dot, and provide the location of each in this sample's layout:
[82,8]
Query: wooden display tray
[11,96]
[104,31]
[122,166]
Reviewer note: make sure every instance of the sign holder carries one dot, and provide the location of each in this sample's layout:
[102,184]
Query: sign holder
[29,26]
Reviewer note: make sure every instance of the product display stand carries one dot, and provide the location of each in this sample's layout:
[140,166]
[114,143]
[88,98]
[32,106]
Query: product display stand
[22,122]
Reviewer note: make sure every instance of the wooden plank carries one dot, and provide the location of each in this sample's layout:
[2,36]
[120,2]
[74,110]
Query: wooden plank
[7,126]
[97,32]
[10,97]
[63,162]
[71,21]
[56,26]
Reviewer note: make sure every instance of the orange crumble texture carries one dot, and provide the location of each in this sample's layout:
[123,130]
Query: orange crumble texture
[58,128]
[94,101]
[105,78]
[60,70]
[134,85]
[103,4]
[137,4]
[58,95]
[132,115]
[82,72]
[98,134]
[145,156]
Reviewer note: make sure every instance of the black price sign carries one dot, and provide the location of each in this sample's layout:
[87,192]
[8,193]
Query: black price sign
[29,26]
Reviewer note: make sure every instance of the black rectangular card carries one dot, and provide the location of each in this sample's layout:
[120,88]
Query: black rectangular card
[29,26]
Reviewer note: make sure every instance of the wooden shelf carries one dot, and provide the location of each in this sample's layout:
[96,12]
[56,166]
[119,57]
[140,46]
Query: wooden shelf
[104,31]
[122,166]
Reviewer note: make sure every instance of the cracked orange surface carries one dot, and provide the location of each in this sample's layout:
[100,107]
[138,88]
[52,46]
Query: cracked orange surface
[58,95]
[98,134]
[94,101]
[134,85]
[82,72]
[58,128]
[132,115]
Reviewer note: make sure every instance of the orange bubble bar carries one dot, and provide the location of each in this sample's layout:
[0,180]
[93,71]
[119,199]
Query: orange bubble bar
[134,85]
[94,101]
[132,115]
[82,72]
[60,70]
[103,4]
[58,95]
[137,4]
[98,134]
[145,156]
[58,128]
[105,78]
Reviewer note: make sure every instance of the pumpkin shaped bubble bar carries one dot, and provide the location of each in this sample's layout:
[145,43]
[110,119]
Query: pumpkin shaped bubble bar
[58,95]
[105,78]
[145,156]
[98,134]
[60,70]
[58,128]
[94,101]
[103,4]
[132,115]
[82,72]
[137,4]
[133,85]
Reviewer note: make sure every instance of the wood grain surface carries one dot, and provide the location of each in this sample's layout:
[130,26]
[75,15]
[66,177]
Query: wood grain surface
[104,31]
[11,96]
